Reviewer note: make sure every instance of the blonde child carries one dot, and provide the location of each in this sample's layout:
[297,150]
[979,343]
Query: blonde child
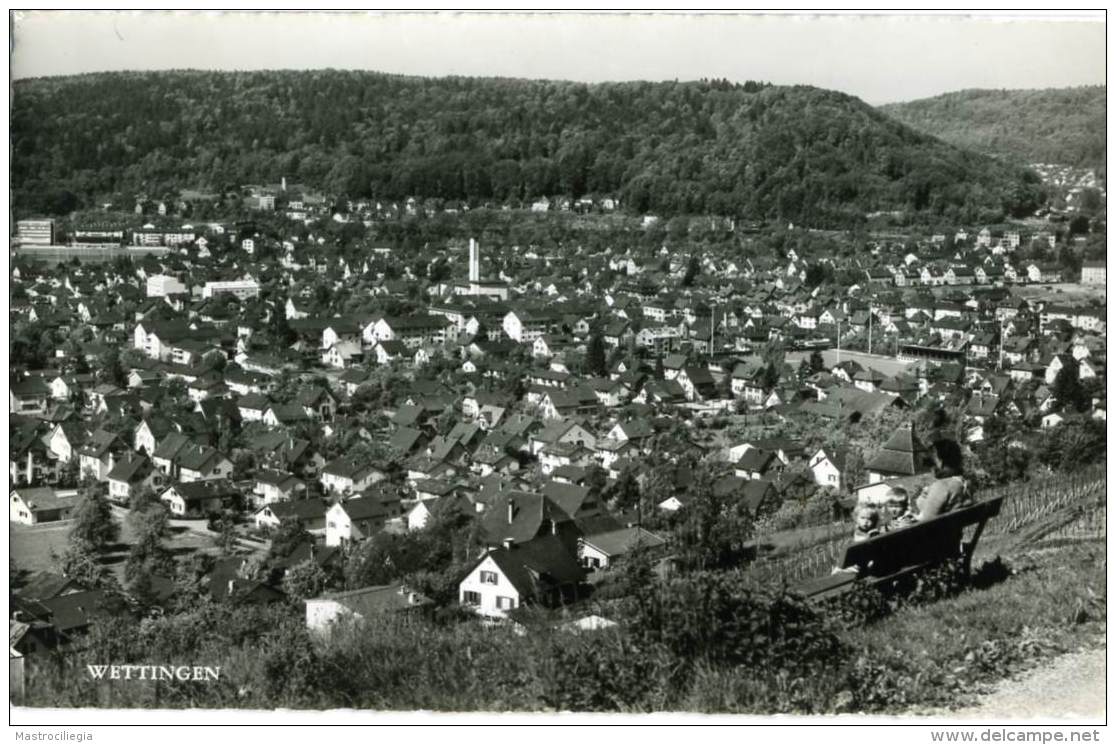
[867,524]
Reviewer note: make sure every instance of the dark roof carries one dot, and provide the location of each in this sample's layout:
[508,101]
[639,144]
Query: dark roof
[755,459]
[902,455]
[194,491]
[571,498]
[619,542]
[129,468]
[298,509]
[363,508]
[74,610]
[543,561]
[46,585]
[276,478]
[45,498]
[528,513]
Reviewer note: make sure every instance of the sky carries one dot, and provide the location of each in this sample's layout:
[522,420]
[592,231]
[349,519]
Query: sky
[880,59]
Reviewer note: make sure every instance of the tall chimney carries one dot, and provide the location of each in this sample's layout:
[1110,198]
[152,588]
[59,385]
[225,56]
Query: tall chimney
[511,512]
[474,261]
[284,183]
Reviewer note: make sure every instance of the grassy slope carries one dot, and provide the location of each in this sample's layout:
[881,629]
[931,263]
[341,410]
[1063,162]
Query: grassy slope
[945,653]
[1058,125]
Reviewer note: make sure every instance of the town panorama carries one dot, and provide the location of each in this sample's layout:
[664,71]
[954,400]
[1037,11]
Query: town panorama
[349,390]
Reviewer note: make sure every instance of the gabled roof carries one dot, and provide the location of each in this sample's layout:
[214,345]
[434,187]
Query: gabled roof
[903,455]
[364,508]
[623,541]
[196,491]
[277,478]
[572,499]
[130,468]
[529,512]
[755,460]
[537,565]
[297,509]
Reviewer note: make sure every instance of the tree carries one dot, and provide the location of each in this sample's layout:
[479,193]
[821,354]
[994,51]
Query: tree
[110,369]
[286,538]
[94,528]
[1067,387]
[804,372]
[595,355]
[624,494]
[82,566]
[817,363]
[305,580]
[225,537]
[215,360]
[854,474]
[148,556]
[692,269]
[714,526]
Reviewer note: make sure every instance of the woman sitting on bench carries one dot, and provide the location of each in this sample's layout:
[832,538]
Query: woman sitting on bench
[949,491]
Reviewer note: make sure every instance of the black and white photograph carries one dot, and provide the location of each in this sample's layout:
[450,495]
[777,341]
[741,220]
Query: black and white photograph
[619,367]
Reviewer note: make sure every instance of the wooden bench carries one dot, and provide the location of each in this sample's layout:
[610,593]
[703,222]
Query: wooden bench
[906,551]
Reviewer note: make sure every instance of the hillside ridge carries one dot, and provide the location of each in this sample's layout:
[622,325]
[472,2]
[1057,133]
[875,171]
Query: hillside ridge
[794,153]
[1042,125]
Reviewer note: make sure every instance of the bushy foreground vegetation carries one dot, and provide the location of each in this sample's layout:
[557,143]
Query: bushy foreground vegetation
[703,642]
[793,153]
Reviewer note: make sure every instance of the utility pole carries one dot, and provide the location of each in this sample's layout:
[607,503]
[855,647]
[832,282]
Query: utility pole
[712,329]
[1001,365]
[869,329]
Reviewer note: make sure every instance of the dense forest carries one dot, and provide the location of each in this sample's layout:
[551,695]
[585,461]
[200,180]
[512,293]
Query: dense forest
[1056,125]
[792,153]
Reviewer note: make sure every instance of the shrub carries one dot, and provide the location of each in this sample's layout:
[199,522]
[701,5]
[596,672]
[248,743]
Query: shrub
[601,672]
[719,619]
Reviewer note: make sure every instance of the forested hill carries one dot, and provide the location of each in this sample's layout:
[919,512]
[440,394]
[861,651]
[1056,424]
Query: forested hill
[803,154]
[1056,125]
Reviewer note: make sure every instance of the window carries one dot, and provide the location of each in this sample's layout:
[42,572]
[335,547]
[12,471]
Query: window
[488,578]
[504,603]
[468,597]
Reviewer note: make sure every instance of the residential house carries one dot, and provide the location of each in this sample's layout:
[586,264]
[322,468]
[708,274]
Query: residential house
[354,520]
[196,499]
[603,550]
[36,505]
[346,476]
[131,474]
[308,513]
[541,571]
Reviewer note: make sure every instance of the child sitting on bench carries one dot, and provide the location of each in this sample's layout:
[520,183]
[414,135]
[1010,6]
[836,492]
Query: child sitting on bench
[867,524]
[897,509]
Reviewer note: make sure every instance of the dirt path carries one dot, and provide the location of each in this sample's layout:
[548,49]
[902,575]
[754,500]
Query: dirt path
[1068,687]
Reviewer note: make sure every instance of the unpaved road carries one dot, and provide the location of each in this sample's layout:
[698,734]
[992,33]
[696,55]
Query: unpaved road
[1069,687]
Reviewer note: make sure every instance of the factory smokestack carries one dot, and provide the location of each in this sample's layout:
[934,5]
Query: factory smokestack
[474,261]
